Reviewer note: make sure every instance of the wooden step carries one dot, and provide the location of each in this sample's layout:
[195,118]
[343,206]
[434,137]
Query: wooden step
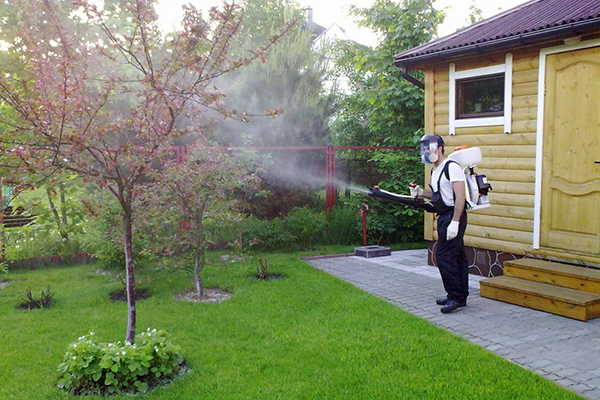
[564,275]
[540,296]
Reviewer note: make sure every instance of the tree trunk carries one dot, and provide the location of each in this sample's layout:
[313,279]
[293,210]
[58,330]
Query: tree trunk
[129,268]
[197,268]
[63,204]
[3,244]
[57,219]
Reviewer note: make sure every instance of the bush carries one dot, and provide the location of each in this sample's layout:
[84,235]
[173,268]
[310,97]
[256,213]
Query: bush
[306,226]
[104,238]
[344,226]
[36,240]
[108,368]
[266,235]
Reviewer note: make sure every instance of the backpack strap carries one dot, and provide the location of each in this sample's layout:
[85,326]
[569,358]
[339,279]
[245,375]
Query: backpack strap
[446,172]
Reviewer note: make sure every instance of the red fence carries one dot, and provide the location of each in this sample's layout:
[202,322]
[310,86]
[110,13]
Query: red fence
[330,170]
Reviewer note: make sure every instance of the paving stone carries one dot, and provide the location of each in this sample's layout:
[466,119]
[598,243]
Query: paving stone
[565,382]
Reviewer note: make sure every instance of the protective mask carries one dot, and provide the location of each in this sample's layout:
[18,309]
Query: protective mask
[429,153]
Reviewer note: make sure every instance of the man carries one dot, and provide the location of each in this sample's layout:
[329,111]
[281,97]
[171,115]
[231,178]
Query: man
[449,199]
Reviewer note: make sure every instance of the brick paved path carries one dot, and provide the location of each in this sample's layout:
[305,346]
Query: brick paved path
[558,348]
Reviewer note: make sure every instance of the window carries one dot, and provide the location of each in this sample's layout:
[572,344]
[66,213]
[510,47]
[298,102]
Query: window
[481,96]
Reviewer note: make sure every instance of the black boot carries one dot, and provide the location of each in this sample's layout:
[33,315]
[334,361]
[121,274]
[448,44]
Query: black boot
[442,301]
[452,306]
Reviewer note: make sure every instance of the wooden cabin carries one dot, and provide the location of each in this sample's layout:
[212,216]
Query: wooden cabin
[524,87]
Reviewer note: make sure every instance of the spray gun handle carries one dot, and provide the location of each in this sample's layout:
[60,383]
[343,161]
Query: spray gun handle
[413,185]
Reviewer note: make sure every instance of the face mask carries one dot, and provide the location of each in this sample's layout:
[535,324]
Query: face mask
[429,153]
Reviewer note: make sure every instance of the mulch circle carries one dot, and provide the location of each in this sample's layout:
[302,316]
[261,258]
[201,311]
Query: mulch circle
[121,295]
[209,296]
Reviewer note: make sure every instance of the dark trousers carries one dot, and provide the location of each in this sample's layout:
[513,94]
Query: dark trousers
[452,260]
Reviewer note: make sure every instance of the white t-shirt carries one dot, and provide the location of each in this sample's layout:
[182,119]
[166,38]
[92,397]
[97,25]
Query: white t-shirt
[456,174]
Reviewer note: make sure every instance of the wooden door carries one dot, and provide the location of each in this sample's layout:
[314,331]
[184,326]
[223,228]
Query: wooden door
[570,214]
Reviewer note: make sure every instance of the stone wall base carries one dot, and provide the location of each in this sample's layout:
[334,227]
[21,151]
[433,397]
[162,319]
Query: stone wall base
[482,262]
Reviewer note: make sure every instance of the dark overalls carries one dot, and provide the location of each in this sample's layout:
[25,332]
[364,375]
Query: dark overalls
[451,257]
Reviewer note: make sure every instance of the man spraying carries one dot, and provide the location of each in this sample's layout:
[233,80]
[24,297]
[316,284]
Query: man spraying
[449,199]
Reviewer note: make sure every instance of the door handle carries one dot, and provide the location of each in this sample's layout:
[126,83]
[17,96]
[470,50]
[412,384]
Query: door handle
[597,162]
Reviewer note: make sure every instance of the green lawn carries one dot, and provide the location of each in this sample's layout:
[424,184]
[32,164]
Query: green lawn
[308,336]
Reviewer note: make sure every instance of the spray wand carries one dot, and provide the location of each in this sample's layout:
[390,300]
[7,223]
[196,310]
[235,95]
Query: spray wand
[418,203]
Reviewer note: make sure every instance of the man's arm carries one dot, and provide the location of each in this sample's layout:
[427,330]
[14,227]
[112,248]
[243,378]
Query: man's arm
[459,208]
[460,198]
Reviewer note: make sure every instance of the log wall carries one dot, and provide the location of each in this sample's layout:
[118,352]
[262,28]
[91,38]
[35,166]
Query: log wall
[508,159]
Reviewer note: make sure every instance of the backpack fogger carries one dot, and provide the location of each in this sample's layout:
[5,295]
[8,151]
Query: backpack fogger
[476,188]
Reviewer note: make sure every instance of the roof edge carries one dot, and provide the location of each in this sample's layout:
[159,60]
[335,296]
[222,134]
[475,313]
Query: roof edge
[529,38]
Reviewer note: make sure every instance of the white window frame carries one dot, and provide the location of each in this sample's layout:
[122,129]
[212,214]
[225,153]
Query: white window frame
[505,120]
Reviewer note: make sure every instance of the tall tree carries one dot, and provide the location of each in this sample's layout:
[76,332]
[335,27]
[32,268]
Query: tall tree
[382,108]
[109,104]
[388,107]
[209,187]
[290,77]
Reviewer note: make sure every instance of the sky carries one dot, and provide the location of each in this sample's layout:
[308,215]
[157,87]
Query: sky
[328,12]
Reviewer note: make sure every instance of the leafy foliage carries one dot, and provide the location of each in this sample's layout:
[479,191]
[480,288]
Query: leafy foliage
[110,103]
[60,218]
[383,109]
[306,226]
[211,184]
[109,368]
[103,235]
[267,234]
[290,78]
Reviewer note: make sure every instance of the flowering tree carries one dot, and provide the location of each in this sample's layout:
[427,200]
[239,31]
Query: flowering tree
[108,104]
[211,184]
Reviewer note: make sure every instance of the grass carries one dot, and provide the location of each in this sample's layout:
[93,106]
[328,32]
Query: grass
[307,336]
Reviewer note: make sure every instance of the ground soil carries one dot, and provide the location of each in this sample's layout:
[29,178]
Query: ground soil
[210,296]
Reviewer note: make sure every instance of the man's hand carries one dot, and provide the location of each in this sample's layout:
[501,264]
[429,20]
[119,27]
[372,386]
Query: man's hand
[415,190]
[452,230]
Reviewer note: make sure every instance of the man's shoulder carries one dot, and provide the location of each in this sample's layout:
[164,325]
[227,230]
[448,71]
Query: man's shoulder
[455,171]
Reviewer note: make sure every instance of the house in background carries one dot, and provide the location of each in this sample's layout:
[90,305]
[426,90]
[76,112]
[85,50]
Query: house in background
[524,86]
[323,38]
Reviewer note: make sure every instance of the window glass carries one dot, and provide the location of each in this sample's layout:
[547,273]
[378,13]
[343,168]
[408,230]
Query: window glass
[479,97]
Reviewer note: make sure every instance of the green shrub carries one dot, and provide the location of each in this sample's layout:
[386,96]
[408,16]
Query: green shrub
[36,240]
[266,235]
[108,368]
[344,225]
[104,238]
[306,226]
